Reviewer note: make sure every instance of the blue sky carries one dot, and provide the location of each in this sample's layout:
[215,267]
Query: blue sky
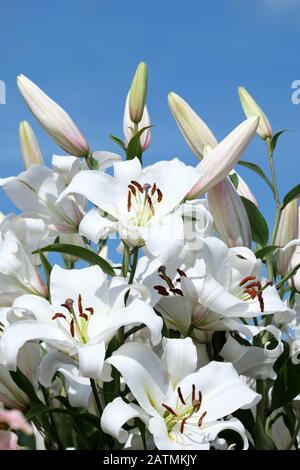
[84,53]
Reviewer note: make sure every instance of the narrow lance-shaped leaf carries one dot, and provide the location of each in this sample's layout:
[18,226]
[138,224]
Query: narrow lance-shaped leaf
[258,170]
[259,227]
[291,195]
[81,253]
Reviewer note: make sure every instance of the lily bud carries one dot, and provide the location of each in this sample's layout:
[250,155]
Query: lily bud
[287,231]
[128,126]
[223,158]
[251,108]
[229,214]
[138,93]
[295,260]
[29,146]
[56,122]
[243,189]
[196,133]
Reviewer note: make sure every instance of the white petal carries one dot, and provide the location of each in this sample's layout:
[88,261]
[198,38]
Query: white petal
[116,414]
[18,333]
[215,254]
[180,357]
[91,359]
[138,312]
[143,373]
[89,282]
[94,226]
[41,308]
[105,159]
[223,392]
[50,364]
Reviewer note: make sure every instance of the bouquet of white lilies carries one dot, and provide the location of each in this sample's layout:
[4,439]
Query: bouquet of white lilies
[184,337]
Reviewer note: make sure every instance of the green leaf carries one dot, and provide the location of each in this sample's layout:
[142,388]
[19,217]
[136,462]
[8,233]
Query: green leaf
[134,148]
[266,251]
[246,417]
[274,139]
[25,385]
[287,383]
[291,195]
[234,179]
[36,411]
[259,227]
[258,170]
[46,267]
[81,253]
[118,141]
[262,440]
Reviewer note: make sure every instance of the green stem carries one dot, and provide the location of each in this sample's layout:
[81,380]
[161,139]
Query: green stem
[294,437]
[287,276]
[96,396]
[126,260]
[52,428]
[272,167]
[263,405]
[134,264]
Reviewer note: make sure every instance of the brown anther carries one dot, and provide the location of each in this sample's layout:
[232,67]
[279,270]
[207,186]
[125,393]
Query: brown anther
[138,186]
[150,204]
[90,309]
[251,292]
[159,195]
[177,291]
[181,273]
[193,392]
[200,421]
[72,328]
[68,305]
[182,425]
[58,315]
[161,290]
[254,284]
[180,396]
[267,284]
[200,398]
[153,189]
[261,303]
[132,189]
[84,315]
[169,409]
[246,279]
[80,304]
[129,201]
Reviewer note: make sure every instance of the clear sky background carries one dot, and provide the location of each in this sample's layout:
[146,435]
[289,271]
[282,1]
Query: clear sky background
[83,53]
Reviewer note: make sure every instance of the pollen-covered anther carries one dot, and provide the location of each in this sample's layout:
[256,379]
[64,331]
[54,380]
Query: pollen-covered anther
[169,409]
[254,288]
[1,327]
[176,291]
[200,421]
[58,315]
[181,396]
[162,290]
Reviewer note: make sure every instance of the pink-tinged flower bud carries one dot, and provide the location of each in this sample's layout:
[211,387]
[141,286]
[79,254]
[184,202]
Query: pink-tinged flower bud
[287,231]
[251,108]
[229,214]
[223,158]
[196,133]
[128,126]
[29,146]
[243,189]
[56,122]
[138,93]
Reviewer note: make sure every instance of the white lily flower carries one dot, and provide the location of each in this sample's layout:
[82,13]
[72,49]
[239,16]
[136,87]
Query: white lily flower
[128,126]
[18,274]
[181,406]
[140,203]
[56,122]
[36,190]
[287,232]
[213,295]
[84,314]
[251,360]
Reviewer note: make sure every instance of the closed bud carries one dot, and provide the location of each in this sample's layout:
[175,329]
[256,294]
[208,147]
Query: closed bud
[243,189]
[56,122]
[128,127]
[29,146]
[221,160]
[251,108]
[287,231]
[138,93]
[229,214]
[196,133]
